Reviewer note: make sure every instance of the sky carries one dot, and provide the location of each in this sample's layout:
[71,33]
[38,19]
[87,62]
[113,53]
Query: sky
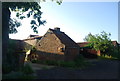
[76,19]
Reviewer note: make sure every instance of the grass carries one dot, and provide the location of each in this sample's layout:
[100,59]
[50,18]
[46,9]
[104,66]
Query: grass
[45,67]
[79,62]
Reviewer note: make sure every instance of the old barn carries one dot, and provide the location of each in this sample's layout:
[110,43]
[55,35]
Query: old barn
[55,45]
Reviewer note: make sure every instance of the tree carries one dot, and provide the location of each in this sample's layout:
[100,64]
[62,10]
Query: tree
[9,25]
[100,42]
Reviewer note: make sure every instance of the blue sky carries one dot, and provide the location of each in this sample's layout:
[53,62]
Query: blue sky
[76,19]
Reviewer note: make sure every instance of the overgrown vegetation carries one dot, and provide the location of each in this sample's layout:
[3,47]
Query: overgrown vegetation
[25,72]
[103,43]
[12,68]
[113,55]
[12,58]
[79,62]
[100,42]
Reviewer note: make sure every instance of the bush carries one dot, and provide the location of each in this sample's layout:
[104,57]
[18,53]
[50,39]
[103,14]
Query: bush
[113,53]
[116,54]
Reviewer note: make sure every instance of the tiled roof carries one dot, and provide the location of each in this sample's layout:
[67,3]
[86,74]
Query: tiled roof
[65,39]
[83,44]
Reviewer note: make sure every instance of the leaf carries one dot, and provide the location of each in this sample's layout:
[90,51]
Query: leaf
[18,24]
[17,14]
[32,26]
[59,2]
[35,29]
[39,21]
[28,15]
[33,22]
[22,17]
[35,16]
[25,9]
[44,21]
[13,23]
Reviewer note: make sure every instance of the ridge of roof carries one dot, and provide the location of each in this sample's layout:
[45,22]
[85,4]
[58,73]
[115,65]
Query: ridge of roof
[33,38]
[64,38]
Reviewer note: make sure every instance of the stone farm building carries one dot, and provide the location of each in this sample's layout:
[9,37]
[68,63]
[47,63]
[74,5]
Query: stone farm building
[54,45]
[32,39]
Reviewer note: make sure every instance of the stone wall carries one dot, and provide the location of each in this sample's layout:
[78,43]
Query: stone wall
[89,53]
[45,56]
[50,44]
[71,53]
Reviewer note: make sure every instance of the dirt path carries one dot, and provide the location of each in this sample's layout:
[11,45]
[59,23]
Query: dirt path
[103,69]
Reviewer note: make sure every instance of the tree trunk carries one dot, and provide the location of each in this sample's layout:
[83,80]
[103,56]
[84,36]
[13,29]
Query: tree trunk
[5,32]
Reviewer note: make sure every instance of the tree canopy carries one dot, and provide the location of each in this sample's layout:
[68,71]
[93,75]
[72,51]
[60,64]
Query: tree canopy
[33,9]
[99,41]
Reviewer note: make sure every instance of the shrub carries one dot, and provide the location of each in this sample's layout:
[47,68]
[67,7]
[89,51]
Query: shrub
[116,54]
[113,53]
